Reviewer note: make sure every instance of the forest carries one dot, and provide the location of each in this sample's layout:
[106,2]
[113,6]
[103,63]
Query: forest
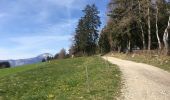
[131,25]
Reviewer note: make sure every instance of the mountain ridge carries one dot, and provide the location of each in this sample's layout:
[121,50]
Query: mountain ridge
[20,62]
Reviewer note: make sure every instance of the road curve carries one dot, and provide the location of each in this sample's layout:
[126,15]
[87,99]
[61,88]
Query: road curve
[142,81]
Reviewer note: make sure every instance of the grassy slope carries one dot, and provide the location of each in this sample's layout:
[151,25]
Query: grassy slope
[62,80]
[162,62]
[10,71]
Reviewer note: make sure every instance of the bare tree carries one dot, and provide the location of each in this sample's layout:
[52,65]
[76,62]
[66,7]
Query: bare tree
[62,54]
[141,27]
[165,38]
[157,30]
[149,25]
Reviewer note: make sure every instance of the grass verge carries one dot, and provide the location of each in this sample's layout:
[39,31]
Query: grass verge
[162,62]
[63,80]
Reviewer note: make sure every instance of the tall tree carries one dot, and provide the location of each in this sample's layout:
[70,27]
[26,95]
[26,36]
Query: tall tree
[157,28]
[132,22]
[141,25]
[62,54]
[104,41]
[149,24]
[80,37]
[166,38]
[124,16]
[91,22]
[86,35]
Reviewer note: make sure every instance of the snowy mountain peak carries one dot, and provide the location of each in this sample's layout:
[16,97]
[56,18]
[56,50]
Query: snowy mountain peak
[20,62]
[45,55]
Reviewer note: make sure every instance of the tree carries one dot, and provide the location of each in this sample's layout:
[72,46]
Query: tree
[149,24]
[91,22]
[43,60]
[141,25]
[132,22]
[4,65]
[166,38]
[104,42]
[123,15]
[86,34]
[71,51]
[81,37]
[157,30]
[49,58]
[62,54]
[56,56]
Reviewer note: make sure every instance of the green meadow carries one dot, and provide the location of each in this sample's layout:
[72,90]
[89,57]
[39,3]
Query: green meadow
[83,78]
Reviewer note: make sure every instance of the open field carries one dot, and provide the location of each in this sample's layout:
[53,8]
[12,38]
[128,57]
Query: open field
[62,80]
[11,71]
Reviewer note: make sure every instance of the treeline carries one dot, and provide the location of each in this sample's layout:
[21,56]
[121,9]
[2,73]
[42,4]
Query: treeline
[136,24]
[62,54]
[131,25]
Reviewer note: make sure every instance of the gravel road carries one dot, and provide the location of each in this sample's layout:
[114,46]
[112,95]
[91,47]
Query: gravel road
[142,81]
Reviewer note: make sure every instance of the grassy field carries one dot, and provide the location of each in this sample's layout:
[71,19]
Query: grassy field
[62,80]
[162,62]
[11,71]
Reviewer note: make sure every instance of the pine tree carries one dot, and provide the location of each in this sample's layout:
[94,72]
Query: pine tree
[91,22]
[86,35]
[104,44]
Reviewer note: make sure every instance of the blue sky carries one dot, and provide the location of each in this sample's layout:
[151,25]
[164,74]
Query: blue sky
[32,27]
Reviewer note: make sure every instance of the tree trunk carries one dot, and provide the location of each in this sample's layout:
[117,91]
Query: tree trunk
[141,27]
[165,38]
[111,41]
[129,46]
[119,49]
[143,37]
[157,31]
[149,27]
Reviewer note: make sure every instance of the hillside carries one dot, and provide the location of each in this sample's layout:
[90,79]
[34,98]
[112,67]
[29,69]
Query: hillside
[61,80]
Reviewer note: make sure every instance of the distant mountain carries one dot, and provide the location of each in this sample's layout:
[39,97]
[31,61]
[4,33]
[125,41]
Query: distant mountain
[20,62]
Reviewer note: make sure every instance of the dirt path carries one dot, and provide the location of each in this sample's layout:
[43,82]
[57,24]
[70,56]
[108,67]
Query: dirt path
[142,81]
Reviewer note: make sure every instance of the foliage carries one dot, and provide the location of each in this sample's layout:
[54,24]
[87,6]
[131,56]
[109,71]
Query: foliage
[86,34]
[132,23]
[62,54]
[44,60]
[4,65]
[104,44]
